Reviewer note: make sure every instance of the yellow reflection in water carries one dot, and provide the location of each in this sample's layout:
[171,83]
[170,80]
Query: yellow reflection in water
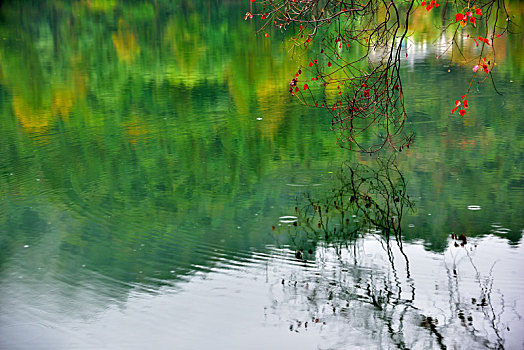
[32,118]
[125,43]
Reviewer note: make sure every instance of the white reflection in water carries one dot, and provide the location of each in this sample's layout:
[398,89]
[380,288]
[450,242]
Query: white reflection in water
[366,295]
[474,207]
[288,219]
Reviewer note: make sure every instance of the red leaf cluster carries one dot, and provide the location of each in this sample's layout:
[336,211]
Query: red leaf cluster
[466,17]
[464,104]
[430,6]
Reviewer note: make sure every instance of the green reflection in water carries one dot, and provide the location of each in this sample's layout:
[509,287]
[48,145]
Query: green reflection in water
[135,140]
[131,135]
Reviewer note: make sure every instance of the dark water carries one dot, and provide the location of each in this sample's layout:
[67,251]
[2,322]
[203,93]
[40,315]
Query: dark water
[147,149]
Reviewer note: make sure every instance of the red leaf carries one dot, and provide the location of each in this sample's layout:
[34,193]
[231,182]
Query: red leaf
[484,40]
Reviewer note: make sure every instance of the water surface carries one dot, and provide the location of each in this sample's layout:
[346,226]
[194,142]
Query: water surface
[147,149]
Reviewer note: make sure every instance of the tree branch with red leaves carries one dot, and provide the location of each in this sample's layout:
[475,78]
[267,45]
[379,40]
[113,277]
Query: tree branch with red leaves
[355,50]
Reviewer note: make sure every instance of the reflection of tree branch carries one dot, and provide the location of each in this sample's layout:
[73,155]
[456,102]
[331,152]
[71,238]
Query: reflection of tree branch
[465,311]
[364,200]
[370,200]
[345,292]
[486,291]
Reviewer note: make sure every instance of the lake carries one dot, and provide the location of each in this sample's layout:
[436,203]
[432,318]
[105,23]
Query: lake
[156,178]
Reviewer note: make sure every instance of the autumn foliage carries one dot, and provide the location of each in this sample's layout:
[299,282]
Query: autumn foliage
[350,56]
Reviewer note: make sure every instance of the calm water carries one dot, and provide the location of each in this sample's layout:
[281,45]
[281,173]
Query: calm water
[147,150]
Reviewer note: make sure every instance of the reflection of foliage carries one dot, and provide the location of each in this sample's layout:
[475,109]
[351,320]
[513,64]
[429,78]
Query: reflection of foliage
[140,133]
[125,43]
[101,5]
[30,118]
[160,146]
[365,199]
[61,75]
